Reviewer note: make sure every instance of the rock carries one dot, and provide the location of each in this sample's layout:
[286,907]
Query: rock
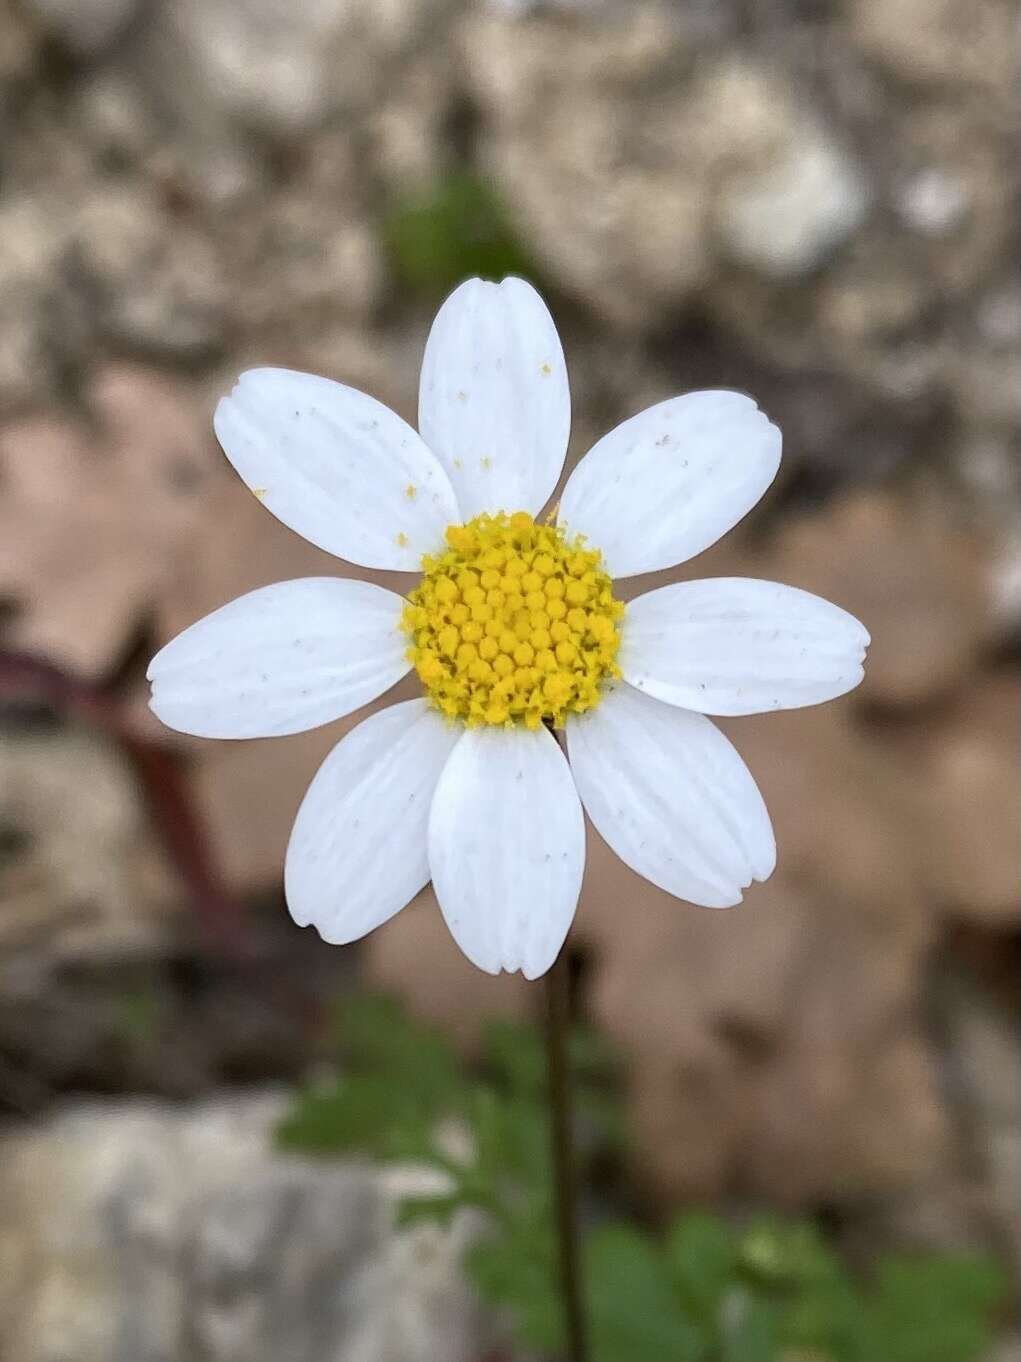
[152,285]
[929,42]
[983,1078]
[81,878]
[785,194]
[326,267]
[933,201]
[409,132]
[785,219]
[20,41]
[872,295]
[112,977]
[32,244]
[85,27]
[268,65]
[115,118]
[286,72]
[1007,579]
[601,198]
[919,583]
[178,1232]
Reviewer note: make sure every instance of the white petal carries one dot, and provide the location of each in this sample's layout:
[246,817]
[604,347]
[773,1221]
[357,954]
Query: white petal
[507,848]
[493,402]
[357,854]
[280,660]
[671,796]
[337,467]
[669,482]
[734,645]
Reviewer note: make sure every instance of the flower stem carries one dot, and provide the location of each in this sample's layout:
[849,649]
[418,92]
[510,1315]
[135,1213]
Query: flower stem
[557,1010]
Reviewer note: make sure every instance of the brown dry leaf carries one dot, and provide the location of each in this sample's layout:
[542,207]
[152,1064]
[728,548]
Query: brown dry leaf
[961,768]
[796,991]
[93,520]
[921,585]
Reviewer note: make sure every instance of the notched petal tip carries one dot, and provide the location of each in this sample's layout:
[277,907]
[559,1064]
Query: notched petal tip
[725,901]
[735,645]
[537,973]
[248,381]
[476,284]
[158,662]
[262,373]
[671,796]
[507,848]
[708,455]
[494,398]
[735,898]
[162,707]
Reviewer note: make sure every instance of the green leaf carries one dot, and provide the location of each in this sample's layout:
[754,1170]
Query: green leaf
[820,1317]
[456,228]
[931,1310]
[750,1328]
[377,1037]
[516,1271]
[776,1290]
[359,1114]
[783,1253]
[512,1142]
[591,1056]
[702,1259]
[634,1314]
[401,1078]
[514,1056]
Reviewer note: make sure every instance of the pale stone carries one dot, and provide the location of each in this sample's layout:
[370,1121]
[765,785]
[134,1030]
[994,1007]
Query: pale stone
[143,1232]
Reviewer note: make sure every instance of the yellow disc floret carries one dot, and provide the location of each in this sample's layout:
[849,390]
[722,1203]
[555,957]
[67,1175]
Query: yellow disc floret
[513,623]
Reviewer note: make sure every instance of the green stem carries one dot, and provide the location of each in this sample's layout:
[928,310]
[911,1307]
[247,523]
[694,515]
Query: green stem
[557,1020]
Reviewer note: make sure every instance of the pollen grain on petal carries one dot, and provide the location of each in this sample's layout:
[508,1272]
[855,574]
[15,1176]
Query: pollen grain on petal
[513,624]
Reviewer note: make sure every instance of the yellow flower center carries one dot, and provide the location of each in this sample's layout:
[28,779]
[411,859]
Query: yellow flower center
[513,623]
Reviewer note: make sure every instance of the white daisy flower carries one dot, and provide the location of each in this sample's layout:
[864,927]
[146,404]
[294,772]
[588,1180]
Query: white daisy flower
[514,631]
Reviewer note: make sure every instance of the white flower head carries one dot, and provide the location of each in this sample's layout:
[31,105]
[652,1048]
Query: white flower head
[514,630]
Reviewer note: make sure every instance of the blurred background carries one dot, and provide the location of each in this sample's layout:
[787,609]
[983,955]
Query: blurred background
[811,200]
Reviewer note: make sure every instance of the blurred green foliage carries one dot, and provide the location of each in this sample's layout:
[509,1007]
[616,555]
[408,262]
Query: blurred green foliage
[705,1291]
[455,229]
